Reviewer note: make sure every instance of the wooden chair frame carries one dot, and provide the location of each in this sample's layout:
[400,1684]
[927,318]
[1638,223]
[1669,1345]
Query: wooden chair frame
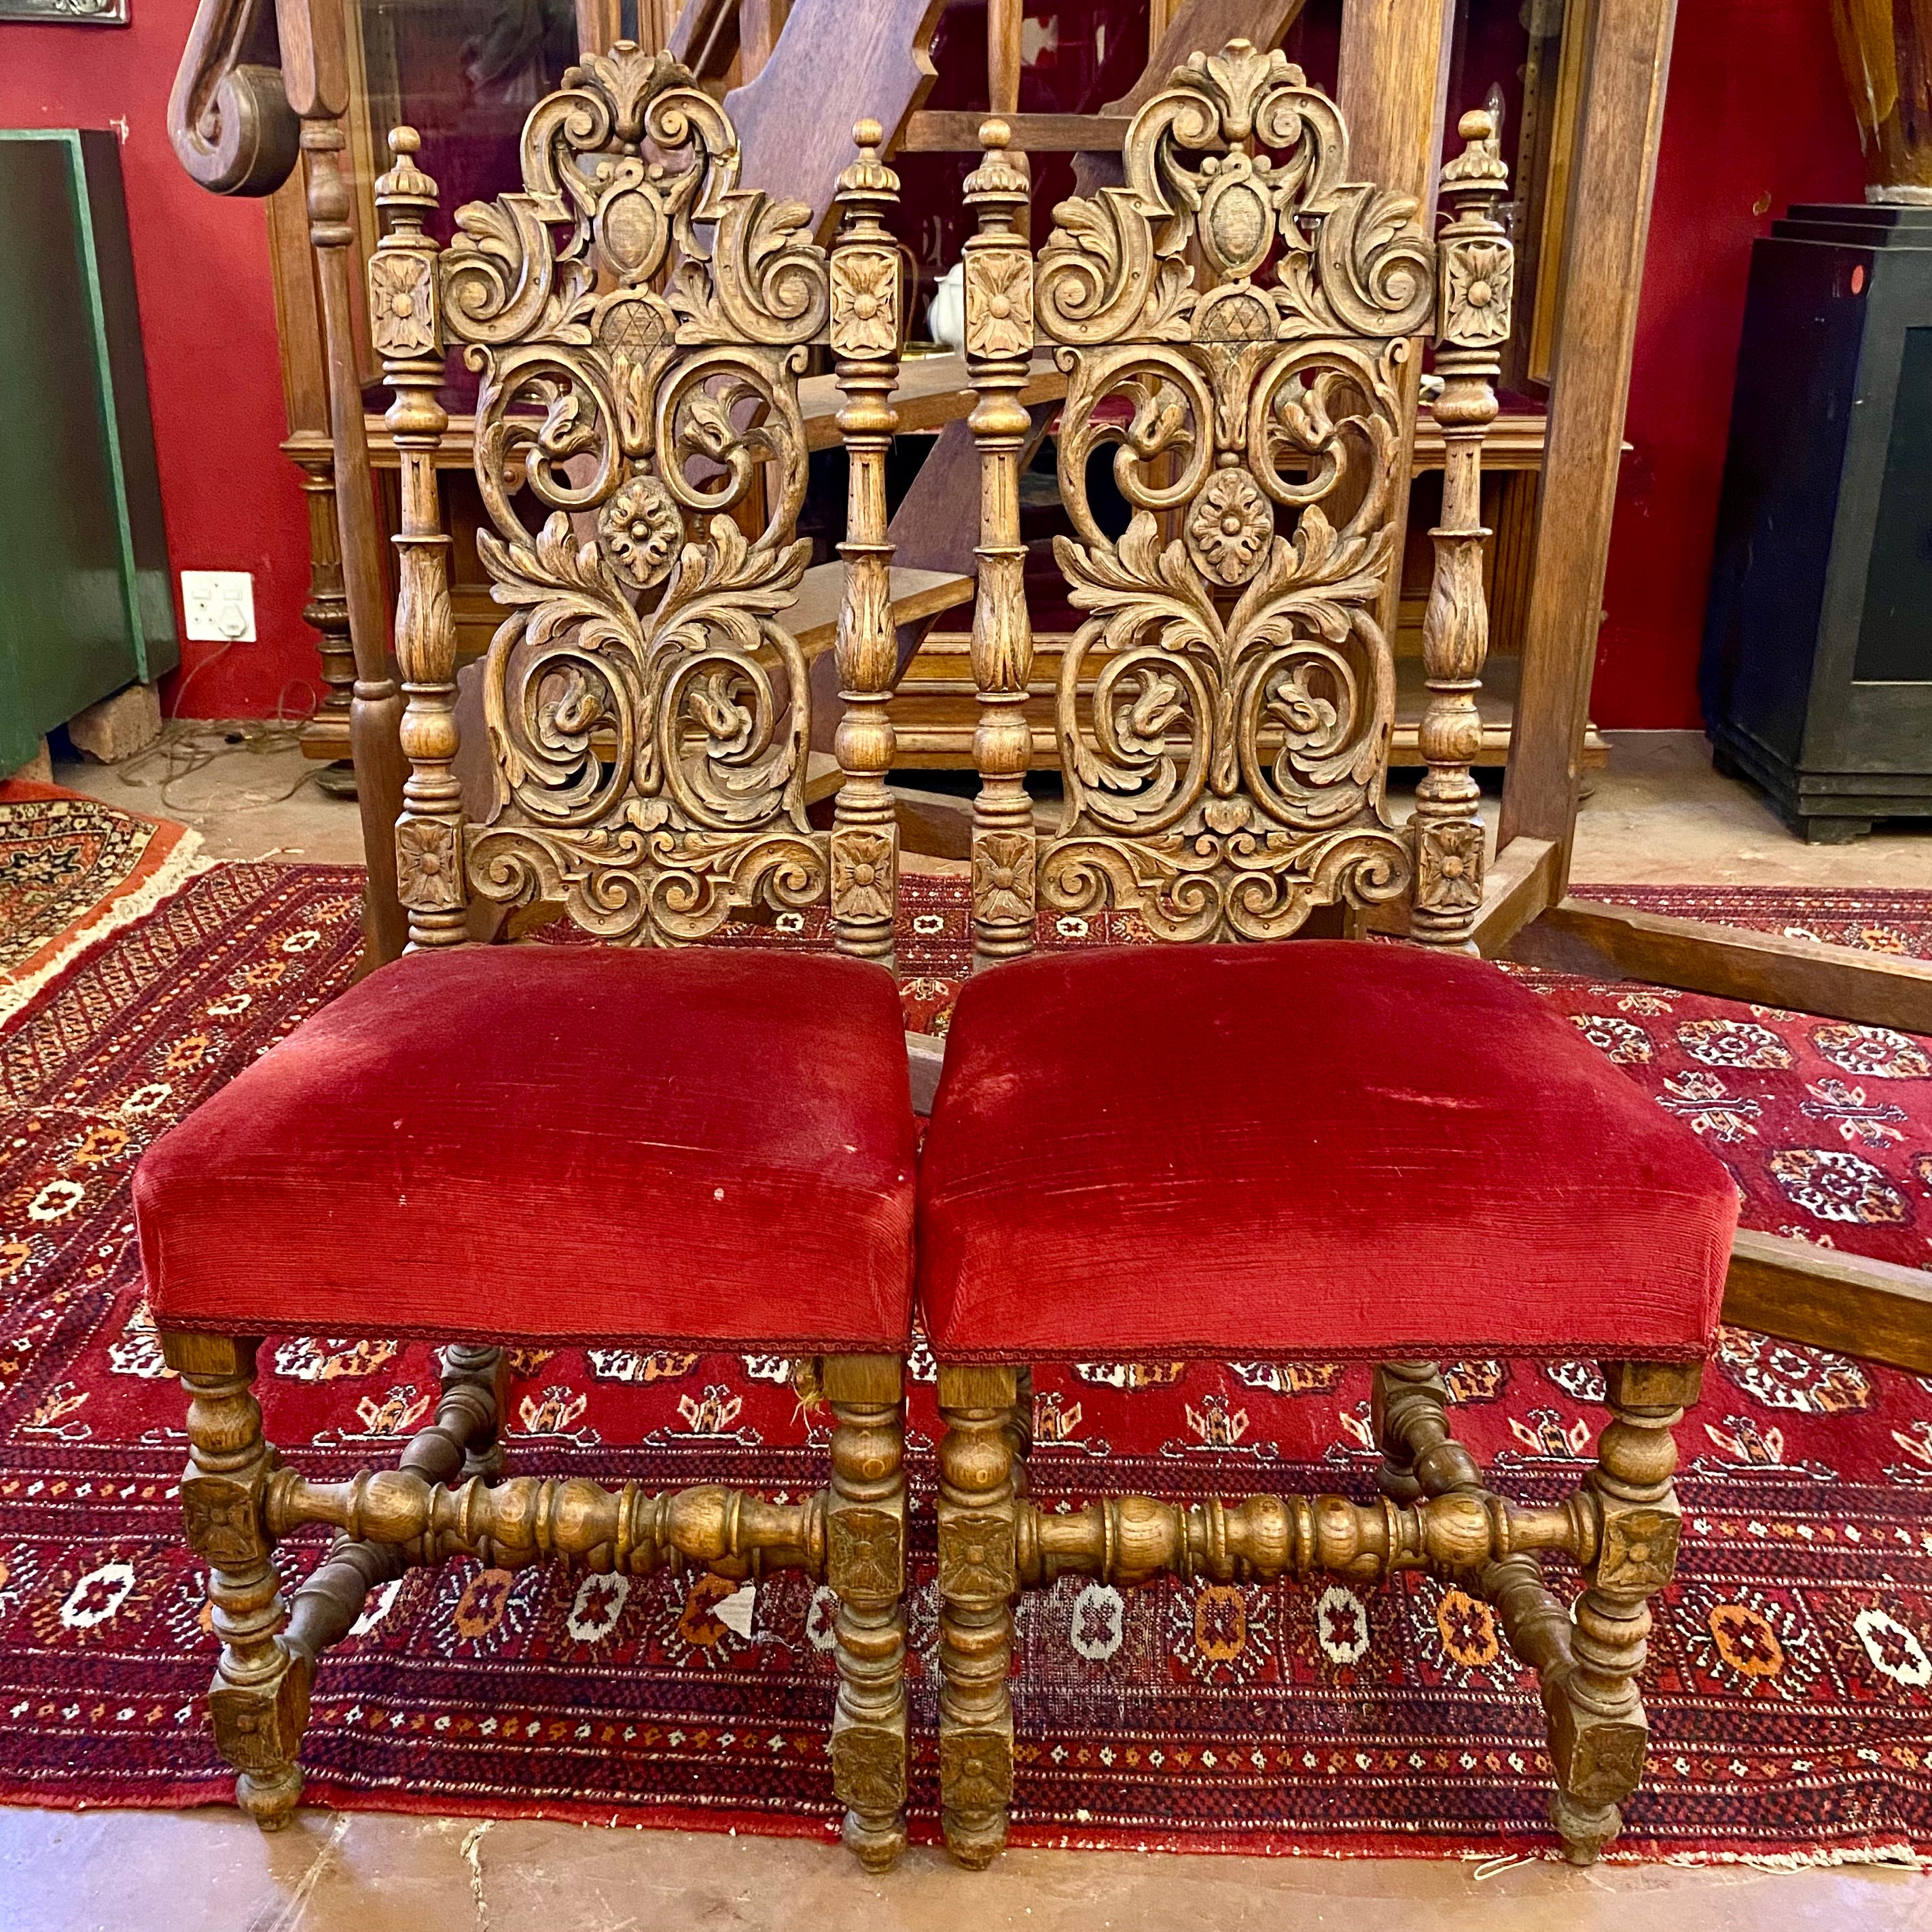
[662,341]
[1620,1526]
[261,84]
[1225,781]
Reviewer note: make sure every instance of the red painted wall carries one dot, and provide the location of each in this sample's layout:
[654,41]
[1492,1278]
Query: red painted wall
[201,263]
[1755,118]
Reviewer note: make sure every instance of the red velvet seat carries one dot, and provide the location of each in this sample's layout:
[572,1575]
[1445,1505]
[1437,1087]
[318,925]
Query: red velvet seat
[706,1147]
[1317,1148]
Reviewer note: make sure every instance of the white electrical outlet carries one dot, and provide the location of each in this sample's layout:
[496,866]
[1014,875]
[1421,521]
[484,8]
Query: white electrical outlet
[219,605]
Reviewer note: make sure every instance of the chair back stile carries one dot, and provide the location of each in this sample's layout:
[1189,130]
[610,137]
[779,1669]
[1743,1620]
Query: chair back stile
[640,322]
[1232,318]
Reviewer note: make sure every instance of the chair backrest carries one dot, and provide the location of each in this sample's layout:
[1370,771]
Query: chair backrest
[640,322]
[1242,321]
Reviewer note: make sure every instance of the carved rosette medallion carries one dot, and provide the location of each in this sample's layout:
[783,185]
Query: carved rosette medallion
[1449,866]
[999,302]
[402,298]
[1228,526]
[976,1770]
[868,1767]
[641,529]
[863,866]
[223,1521]
[1002,875]
[865,302]
[975,1555]
[865,1552]
[428,864]
[1478,280]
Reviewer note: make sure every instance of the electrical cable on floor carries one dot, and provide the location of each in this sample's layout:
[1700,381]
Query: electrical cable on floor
[190,745]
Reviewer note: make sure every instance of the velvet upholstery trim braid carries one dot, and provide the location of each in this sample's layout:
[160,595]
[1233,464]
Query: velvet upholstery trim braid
[1318,1148]
[557,1143]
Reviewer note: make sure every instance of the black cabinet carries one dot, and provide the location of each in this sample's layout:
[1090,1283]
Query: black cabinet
[1817,666]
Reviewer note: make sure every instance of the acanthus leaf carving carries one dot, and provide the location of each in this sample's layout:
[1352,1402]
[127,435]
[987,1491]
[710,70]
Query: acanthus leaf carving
[1227,775]
[638,320]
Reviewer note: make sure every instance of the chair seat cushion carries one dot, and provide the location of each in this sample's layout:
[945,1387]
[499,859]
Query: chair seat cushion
[1321,1148]
[708,1147]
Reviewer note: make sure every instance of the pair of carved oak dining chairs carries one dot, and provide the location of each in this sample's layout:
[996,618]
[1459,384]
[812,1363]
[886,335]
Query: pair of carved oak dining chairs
[1328,1148]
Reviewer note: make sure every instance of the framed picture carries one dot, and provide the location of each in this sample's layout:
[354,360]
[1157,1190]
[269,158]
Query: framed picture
[71,13]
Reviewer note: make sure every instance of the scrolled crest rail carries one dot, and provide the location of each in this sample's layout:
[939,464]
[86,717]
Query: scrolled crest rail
[639,323]
[1231,318]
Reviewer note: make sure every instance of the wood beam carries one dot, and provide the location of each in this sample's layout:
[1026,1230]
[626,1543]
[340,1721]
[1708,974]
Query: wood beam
[834,64]
[1874,1310]
[1602,278]
[1392,86]
[1516,889]
[954,131]
[1617,942]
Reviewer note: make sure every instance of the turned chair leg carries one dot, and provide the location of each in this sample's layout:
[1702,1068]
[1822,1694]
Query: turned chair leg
[865,1534]
[474,1397]
[1407,1394]
[258,1703]
[1597,1730]
[978,1580]
[464,1441]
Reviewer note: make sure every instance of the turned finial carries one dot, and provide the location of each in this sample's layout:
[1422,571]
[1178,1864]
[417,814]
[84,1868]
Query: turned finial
[994,133]
[405,188]
[1478,124]
[868,184]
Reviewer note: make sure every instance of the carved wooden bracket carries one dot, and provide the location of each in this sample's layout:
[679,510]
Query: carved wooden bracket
[228,115]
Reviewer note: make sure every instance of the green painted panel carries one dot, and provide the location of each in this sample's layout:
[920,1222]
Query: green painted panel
[84,600]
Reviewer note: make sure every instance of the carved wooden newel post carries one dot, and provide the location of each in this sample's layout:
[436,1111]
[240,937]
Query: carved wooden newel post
[315,72]
[999,352]
[867,305]
[1473,290]
[261,81]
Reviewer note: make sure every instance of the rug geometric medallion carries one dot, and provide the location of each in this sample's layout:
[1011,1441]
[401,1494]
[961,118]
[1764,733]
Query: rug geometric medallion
[1790,1685]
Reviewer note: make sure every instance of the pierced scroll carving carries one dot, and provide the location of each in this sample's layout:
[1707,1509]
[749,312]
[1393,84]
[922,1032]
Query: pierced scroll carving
[639,322]
[1231,318]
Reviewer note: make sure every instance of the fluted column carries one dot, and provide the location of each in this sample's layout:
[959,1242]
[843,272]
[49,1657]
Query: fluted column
[999,353]
[404,320]
[867,310]
[1475,270]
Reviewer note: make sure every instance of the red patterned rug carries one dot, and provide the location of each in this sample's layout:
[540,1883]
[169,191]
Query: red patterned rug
[1790,1684]
[73,870]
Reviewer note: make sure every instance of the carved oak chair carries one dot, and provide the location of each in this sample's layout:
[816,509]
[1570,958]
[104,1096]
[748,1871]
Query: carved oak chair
[1328,1148]
[697,1149]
